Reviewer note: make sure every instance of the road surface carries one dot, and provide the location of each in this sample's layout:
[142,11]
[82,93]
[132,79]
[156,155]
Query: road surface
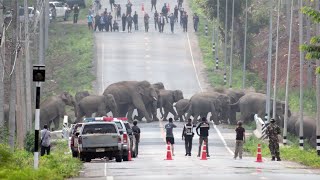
[170,58]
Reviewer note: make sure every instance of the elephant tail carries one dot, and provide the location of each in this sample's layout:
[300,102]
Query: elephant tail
[235,107]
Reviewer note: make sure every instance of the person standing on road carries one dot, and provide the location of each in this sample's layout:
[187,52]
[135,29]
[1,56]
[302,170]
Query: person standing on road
[165,11]
[195,22]
[129,21]
[102,22]
[156,19]
[153,4]
[187,136]
[176,12]
[240,139]
[181,16]
[110,21]
[136,132]
[172,19]
[45,140]
[180,3]
[111,4]
[161,23]
[124,21]
[204,127]
[97,22]
[273,130]
[185,22]
[169,133]
[135,20]
[146,22]
[76,11]
[90,21]
[129,7]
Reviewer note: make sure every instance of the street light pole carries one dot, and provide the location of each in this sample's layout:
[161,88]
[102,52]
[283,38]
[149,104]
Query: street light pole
[225,44]
[301,76]
[231,43]
[245,48]
[217,36]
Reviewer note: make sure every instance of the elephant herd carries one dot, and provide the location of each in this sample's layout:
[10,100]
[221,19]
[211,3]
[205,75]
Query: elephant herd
[122,98]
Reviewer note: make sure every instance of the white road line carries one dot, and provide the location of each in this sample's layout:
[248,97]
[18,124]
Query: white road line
[109,177]
[222,139]
[105,169]
[194,66]
[195,70]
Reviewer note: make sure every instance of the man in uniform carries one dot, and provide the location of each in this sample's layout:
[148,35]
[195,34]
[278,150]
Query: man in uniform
[129,21]
[204,127]
[169,133]
[135,20]
[273,130]
[136,132]
[187,135]
[156,19]
[153,4]
[195,22]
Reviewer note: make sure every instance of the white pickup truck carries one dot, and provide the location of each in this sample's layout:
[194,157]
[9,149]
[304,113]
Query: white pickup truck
[98,140]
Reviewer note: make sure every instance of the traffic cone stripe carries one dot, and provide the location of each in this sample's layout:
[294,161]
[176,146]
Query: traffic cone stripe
[204,151]
[259,155]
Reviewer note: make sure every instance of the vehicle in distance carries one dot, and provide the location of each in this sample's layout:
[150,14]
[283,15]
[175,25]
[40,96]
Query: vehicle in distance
[98,140]
[31,11]
[62,10]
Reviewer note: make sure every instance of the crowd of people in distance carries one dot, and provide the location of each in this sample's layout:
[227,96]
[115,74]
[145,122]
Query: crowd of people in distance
[109,21]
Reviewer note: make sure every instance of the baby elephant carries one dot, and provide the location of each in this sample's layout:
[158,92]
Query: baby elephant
[182,107]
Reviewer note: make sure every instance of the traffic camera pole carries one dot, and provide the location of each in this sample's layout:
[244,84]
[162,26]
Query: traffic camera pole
[36,127]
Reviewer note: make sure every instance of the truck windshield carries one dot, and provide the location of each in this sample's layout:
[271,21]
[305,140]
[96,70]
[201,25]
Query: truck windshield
[99,129]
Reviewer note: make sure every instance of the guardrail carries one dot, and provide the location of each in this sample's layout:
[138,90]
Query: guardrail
[260,131]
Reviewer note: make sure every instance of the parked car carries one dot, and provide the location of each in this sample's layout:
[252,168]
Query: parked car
[32,14]
[81,3]
[98,140]
[62,10]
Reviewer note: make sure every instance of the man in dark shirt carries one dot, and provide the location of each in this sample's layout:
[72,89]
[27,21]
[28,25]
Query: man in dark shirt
[136,132]
[187,135]
[240,139]
[204,127]
[169,133]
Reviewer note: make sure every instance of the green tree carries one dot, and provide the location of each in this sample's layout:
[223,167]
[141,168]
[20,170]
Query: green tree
[312,49]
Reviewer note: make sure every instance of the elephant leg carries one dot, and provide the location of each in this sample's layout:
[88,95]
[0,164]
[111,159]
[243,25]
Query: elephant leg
[169,108]
[130,112]
[123,109]
[139,117]
[165,115]
[138,103]
[195,119]
[233,119]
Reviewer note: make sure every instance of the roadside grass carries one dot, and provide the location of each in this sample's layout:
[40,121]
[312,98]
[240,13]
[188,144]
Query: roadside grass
[19,164]
[307,157]
[205,42]
[69,57]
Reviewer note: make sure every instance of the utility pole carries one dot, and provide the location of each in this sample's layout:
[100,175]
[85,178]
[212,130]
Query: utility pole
[287,80]
[13,88]
[217,36]
[46,27]
[267,116]
[28,70]
[310,69]
[2,53]
[231,53]
[275,83]
[225,44]
[245,48]
[301,76]
[318,95]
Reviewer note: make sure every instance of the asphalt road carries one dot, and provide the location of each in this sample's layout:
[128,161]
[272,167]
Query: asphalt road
[173,60]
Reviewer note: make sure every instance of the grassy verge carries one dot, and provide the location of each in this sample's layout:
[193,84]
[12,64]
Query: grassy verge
[69,57]
[205,42]
[306,157]
[19,165]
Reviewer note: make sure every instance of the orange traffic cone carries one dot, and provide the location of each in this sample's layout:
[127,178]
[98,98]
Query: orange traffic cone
[169,152]
[204,151]
[142,7]
[259,155]
[129,155]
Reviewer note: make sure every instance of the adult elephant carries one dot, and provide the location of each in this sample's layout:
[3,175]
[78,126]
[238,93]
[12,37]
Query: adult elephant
[309,129]
[53,109]
[203,103]
[129,94]
[98,104]
[166,100]
[234,96]
[292,123]
[182,107]
[80,95]
[150,104]
[255,103]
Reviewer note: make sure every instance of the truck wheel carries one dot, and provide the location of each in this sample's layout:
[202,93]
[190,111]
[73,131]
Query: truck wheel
[118,158]
[125,158]
[88,159]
